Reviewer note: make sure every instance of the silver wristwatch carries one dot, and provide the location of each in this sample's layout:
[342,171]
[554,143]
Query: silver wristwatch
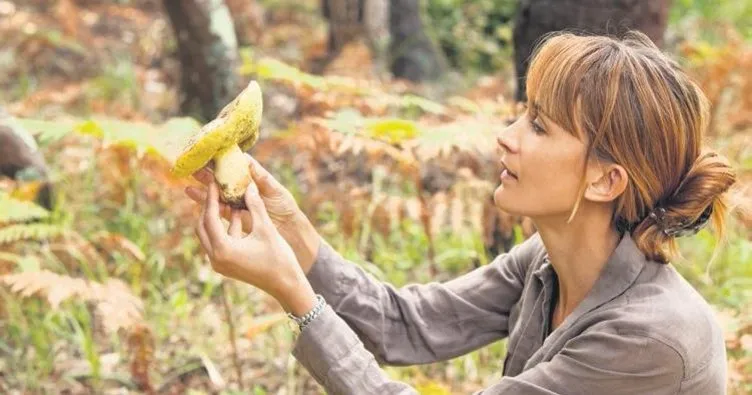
[306,319]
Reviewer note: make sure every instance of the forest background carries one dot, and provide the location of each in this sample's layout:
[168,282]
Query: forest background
[103,286]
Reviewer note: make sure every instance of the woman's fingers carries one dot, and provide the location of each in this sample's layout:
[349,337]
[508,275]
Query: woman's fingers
[198,195]
[204,176]
[201,232]
[236,224]
[246,219]
[261,220]
[266,183]
[212,222]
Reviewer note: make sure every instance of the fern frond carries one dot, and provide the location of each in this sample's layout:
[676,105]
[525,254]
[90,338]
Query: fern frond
[471,135]
[10,257]
[468,134]
[47,132]
[119,308]
[37,232]
[276,70]
[163,140]
[113,242]
[14,210]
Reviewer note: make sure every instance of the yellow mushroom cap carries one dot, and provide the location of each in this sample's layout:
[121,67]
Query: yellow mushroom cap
[237,123]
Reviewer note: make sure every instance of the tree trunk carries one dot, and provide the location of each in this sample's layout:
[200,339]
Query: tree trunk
[248,19]
[414,56]
[207,48]
[345,23]
[538,17]
[351,20]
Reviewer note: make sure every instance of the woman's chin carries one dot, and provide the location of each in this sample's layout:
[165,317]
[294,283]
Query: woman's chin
[505,200]
[502,199]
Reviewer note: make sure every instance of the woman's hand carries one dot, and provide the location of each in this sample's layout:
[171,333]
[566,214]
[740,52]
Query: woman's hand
[261,258]
[284,212]
[198,195]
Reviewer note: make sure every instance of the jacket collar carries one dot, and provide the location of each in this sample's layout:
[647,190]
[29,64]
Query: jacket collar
[618,274]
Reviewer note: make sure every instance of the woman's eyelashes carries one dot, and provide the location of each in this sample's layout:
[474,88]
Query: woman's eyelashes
[538,129]
[532,115]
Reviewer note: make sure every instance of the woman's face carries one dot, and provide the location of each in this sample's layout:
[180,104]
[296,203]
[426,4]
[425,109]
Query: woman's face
[542,168]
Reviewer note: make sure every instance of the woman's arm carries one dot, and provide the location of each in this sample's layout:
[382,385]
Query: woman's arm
[428,322]
[415,324]
[599,362]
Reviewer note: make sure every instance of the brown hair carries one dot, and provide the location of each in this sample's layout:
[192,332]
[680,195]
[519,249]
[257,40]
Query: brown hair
[635,107]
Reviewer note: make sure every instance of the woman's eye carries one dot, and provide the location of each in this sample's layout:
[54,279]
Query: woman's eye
[537,128]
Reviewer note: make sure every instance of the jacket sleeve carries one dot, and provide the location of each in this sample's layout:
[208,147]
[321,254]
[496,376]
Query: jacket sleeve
[592,363]
[424,323]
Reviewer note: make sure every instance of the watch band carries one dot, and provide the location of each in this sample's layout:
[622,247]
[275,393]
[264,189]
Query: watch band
[306,319]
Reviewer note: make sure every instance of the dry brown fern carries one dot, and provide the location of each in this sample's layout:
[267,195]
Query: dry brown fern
[450,166]
[334,148]
[119,308]
[141,347]
[723,74]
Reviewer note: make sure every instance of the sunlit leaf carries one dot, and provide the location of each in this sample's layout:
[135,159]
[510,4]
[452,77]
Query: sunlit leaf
[432,388]
[392,131]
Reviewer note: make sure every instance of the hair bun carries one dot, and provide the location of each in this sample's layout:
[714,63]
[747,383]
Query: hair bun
[699,198]
[709,178]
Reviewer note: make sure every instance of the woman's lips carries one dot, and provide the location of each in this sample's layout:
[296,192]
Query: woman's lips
[506,175]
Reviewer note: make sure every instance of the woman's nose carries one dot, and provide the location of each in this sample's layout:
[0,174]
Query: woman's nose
[506,139]
[502,145]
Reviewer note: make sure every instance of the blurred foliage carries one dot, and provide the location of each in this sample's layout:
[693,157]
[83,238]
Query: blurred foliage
[703,17]
[720,278]
[476,36]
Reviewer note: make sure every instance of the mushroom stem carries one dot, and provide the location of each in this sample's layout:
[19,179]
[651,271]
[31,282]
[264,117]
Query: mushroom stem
[232,174]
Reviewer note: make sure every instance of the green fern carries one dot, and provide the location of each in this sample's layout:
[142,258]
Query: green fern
[140,136]
[48,132]
[37,232]
[14,210]
[164,139]
[276,70]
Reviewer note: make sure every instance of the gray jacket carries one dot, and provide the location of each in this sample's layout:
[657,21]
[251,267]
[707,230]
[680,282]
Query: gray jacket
[642,329]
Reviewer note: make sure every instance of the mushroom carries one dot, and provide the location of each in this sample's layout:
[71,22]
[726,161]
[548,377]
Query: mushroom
[223,140]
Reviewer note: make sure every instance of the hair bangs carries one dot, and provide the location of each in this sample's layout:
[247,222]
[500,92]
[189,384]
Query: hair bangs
[555,79]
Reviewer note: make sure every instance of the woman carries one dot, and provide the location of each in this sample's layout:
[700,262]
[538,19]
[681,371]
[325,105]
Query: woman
[608,163]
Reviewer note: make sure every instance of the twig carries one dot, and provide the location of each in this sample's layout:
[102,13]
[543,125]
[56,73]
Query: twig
[231,326]
[425,219]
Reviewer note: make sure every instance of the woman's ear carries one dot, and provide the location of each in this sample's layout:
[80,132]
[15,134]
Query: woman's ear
[606,182]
